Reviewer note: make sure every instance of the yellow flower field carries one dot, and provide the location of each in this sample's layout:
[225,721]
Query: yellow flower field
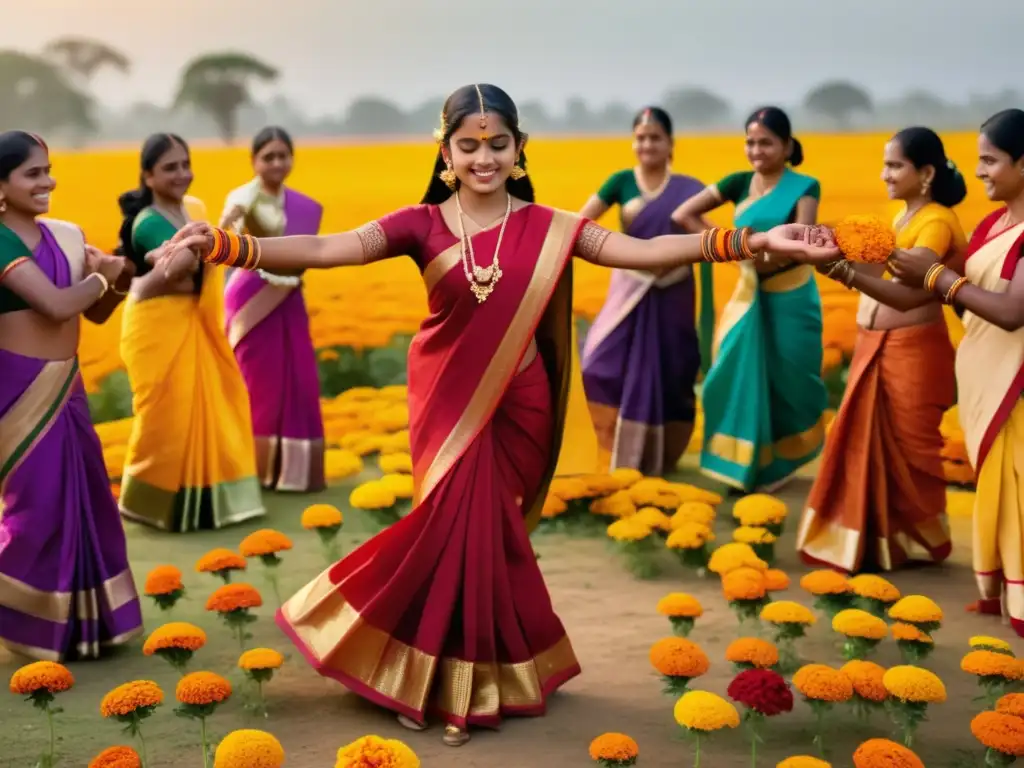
[363,307]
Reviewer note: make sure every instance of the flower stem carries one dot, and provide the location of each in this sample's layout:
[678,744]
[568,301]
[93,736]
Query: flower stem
[142,749]
[206,747]
[53,735]
[263,701]
[696,759]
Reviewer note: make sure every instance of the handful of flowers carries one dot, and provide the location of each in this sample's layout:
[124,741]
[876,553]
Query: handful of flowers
[682,610]
[614,750]
[164,586]
[634,540]
[866,239]
[678,661]
[701,714]
[911,689]
[764,694]
[863,631]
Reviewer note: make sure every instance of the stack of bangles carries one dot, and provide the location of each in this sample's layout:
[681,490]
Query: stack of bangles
[931,279]
[718,245]
[231,250]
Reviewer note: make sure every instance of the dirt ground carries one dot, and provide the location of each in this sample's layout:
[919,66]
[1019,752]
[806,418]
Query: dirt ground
[609,615]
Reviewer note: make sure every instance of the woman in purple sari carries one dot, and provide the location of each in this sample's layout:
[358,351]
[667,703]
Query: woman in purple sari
[65,586]
[641,356]
[268,327]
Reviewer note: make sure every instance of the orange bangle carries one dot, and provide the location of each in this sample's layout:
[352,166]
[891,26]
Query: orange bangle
[954,289]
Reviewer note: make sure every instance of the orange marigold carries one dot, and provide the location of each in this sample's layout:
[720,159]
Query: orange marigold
[680,604]
[990,663]
[249,749]
[882,753]
[909,632]
[163,580]
[744,584]
[776,580]
[232,597]
[754,651]
[614,747]
[678,657]
[116,757]
[264,542]
[1011,704]
[874,587]
[867,239]
[823,683]
[803,761]
[825,582]
[217,560]
[129,697]
[999,731]
[733,555]
[202,688]
[321,516]
[866,677]
[175,634]
[260,658]
[41,676]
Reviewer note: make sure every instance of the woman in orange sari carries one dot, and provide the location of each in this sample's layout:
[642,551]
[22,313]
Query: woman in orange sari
[447,609]
[990,363]
[879,498]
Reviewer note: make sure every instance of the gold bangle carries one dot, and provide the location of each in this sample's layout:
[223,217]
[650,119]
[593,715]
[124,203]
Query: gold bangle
[954,289]
[931,277]
[103,281]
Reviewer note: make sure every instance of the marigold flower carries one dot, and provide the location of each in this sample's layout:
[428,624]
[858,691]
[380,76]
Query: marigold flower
[787,612]
[163,580]
[776,580]
[116,757]
[854,622]
[762,691]
[217,560]
[680,604]
[602,485]
[127,698]
[825,582]
[759,510]
[914,684]
[569,488]
[744,584]
[616,505]
[628,530]
[654,518]
[678,657]
[992,664]
[705,712]
[866,677]
[909,633]
[232,597]
[820,682]
[999,731]
[753,535]
[175,634]
[986,643]
[916,609]
[803,761]
[249,749]
[752,651]
[260,658]
[1011,704]
[689,536]
[729,557]
[322,516]
[687,492]
[882,753]
[693,512]
[627,476]
[375,752]
[202,688]
[372,495]
[395,463]
[403,486]
[38,676]
[553,507]
[264,542]
[614,748]
[874,588]
[865,238]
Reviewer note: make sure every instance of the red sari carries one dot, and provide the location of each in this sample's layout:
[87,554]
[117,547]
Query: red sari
[447,609]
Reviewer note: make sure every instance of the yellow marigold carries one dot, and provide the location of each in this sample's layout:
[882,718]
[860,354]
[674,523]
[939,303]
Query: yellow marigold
[129,697]
[916,609]
[654,518]
[759,509]
[116,757]
[803,761]
[395,463]
[680,604]
[866,677]
[614,747]
[321,516]
[372,495]
[628,530]
[825,582]
[908,632]
[689,536]
[999,731]
[703,711]
[754,651]
[823,683]
[602,485]
[249,749]
[744,584]
[687,492]
[340,463]
[989,643]
[992,664]
[914,684]
[882,753]
[776,580]
[787,612]
[232,597]
[693,512]
[375,752]
[553,507]
[260,658]
[627,476]
[729,557]
[202,688]
[41,676]
[616,505]
[874,587]
[175,634]
[217,560]
[402,486]
[264,542]
[163,580]
[854,622]
[678,657]
[865,238]
[569,488]
[746,534]
[1011,704]
[644,496]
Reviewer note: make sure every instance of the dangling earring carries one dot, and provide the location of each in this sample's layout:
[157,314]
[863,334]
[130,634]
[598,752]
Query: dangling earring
[3,206]
[925,186]
[448,177]
[518,172]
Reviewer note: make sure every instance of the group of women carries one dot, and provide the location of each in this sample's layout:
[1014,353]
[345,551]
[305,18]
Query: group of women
[446,611]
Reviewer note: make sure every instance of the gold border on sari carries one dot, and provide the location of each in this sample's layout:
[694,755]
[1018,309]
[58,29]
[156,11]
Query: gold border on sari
[256,310]
[789,448]
[115,592]
[441,265]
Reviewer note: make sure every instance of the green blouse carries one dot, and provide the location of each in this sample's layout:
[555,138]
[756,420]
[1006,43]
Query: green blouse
[735,188]
[620,188]
[151,230]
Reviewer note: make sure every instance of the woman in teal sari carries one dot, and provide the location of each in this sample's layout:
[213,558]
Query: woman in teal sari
[763,396]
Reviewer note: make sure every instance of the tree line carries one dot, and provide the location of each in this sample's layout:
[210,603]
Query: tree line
[50,92]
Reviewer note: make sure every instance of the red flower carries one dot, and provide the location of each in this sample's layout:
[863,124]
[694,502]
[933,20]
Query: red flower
[763,691]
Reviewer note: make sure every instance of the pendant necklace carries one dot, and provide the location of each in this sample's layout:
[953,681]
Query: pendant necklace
[481,279]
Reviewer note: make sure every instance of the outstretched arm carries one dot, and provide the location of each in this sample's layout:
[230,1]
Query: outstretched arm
[595,208]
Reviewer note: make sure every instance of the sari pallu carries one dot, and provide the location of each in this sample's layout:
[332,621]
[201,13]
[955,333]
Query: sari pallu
[190,462]
[447,609]
[990,380]
[641,357]
[66,589]
[268,329]
[763,397]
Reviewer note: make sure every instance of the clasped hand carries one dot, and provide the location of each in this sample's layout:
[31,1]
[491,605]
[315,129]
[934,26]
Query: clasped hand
[115,269]
[183,253]
[810,244]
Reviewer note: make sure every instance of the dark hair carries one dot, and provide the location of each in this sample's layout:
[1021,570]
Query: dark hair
[658,115]
[777,121]
[923,147]
[1006,130]
[133,202]
[464,102]
[269,134]
[15,147]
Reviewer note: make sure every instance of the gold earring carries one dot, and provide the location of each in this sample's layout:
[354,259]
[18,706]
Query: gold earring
[925,186]
[518,172]
[3,206]
[448,177]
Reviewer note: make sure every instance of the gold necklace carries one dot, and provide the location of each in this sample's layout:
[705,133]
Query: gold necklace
[481,279]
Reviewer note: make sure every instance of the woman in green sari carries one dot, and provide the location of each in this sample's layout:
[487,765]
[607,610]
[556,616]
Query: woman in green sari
[763,396]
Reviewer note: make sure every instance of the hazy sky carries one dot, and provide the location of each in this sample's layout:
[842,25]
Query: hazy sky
[331,51]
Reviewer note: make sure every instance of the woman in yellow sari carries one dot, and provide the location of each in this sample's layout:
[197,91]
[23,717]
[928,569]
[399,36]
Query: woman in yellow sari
[990,363]
[191,460]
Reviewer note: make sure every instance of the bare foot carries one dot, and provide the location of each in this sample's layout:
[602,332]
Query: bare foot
[412,725]
[455,736]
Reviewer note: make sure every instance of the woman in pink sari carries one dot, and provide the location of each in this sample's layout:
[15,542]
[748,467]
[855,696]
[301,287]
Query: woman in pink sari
[447,609]
[268,327]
